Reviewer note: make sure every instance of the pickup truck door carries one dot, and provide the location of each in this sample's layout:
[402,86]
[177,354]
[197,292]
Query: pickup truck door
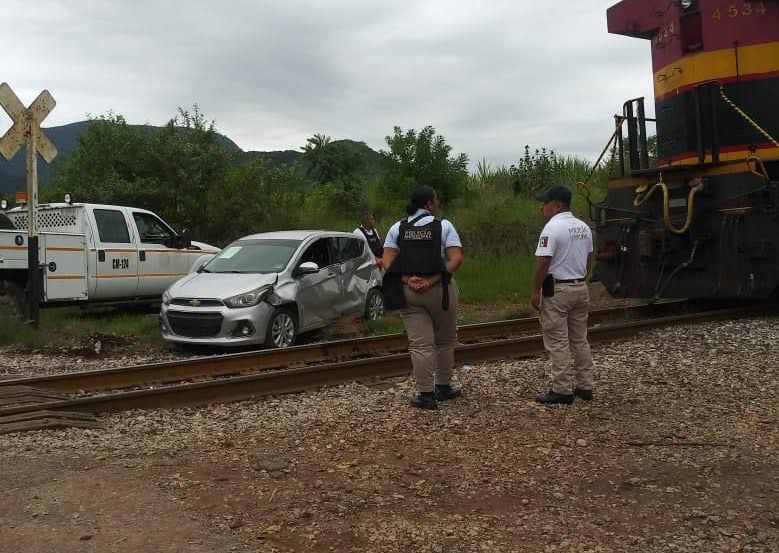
[160,265]
[115,256]
[320,294]
[64,257]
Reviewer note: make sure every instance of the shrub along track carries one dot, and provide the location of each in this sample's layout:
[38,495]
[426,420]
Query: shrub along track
[39,402]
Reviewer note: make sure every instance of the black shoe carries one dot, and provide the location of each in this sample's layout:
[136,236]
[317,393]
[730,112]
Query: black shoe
[586,395]
[552,398]
[444,392]
[425,400]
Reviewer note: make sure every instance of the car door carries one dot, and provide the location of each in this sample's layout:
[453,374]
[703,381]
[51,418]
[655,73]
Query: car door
[319,294]
[115,256]
[355,273]
[159,264]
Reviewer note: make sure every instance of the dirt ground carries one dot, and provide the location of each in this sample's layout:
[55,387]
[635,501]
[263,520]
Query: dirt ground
[678,452]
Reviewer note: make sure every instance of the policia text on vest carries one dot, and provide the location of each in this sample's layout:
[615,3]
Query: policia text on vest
[419,254]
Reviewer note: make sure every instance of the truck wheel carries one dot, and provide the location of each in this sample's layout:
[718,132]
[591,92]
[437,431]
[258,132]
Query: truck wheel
[374,305]
[282,329]
[13,300]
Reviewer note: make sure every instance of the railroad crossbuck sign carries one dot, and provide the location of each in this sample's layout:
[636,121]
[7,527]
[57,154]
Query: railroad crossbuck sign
[27,123]
[26,130]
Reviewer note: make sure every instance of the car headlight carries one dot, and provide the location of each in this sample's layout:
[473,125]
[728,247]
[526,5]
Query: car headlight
[166,297]
[249,299]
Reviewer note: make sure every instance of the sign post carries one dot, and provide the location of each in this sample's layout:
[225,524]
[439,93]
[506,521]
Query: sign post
[27,130]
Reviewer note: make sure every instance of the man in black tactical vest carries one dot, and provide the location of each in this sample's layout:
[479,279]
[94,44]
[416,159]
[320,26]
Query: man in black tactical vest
[421,252]
[367,230]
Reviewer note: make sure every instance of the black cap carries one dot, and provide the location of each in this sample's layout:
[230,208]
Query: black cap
[560,193]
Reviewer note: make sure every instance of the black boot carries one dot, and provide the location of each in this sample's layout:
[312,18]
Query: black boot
[425,400]
[581,393]
[445,391]
[552,398]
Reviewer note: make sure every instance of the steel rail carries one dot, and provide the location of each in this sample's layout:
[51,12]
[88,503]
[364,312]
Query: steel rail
[238,363]
[298,379]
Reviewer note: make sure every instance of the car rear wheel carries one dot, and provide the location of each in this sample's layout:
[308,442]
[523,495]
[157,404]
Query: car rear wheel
[282,329]
[374,305]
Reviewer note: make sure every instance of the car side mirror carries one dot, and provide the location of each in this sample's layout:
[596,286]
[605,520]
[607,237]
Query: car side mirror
[307,268]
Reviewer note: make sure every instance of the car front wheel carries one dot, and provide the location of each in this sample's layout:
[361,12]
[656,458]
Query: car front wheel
[374,305]
[282,329]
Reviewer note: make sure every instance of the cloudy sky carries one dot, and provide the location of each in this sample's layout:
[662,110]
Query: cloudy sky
[491,76]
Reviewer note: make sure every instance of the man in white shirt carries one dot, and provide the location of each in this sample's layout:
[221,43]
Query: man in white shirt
[563,261]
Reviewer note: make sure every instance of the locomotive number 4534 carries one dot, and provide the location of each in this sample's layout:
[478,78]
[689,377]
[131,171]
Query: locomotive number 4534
[735,10]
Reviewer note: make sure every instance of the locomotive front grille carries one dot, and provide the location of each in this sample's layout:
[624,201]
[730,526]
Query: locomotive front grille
[195,325]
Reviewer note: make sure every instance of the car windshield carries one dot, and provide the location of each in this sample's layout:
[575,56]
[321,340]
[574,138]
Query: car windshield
[253,256]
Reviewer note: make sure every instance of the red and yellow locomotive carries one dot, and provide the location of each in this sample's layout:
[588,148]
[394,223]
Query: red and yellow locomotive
[698,217]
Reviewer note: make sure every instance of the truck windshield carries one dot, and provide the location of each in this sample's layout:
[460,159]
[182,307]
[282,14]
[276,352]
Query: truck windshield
[253,256]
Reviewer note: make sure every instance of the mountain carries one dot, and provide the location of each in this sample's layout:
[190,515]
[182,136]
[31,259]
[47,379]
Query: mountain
[12,173]
[65,138]
[289,158]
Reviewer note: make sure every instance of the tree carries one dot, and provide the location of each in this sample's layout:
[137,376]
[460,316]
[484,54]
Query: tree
[188,160]
[335,170]
[105,165]
[535,172]
[253,198]
[422,158]
[168,170]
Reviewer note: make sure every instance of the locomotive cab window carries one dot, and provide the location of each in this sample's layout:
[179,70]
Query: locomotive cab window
[692,32]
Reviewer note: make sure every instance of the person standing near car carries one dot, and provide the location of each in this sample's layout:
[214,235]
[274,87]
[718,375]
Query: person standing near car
[367,231]
[421,252]
[560,294]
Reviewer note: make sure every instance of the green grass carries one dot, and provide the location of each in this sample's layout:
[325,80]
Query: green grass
[64,325]
[483,280]
[13,331]
[391,324]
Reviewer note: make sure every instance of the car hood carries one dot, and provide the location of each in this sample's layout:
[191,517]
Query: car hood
[207,248]
[219,285]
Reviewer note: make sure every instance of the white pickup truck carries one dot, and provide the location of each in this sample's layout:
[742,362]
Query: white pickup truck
[94,253]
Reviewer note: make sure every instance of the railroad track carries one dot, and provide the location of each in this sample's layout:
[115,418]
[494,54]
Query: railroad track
[254,361]
[34,403]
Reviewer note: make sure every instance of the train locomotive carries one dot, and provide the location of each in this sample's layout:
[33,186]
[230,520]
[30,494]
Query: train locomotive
[697,216]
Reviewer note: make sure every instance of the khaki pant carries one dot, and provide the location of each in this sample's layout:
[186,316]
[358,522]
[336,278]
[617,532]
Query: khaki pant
[432,335]
[564,327]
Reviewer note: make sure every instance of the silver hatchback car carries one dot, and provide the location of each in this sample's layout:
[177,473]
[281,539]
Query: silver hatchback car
[268,288]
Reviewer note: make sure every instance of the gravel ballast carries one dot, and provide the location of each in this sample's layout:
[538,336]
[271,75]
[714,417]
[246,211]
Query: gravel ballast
[678,452]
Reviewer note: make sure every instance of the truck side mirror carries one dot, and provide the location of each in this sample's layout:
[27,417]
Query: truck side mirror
[184,239]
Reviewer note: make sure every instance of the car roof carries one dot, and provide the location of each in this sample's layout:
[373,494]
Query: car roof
[296,235]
